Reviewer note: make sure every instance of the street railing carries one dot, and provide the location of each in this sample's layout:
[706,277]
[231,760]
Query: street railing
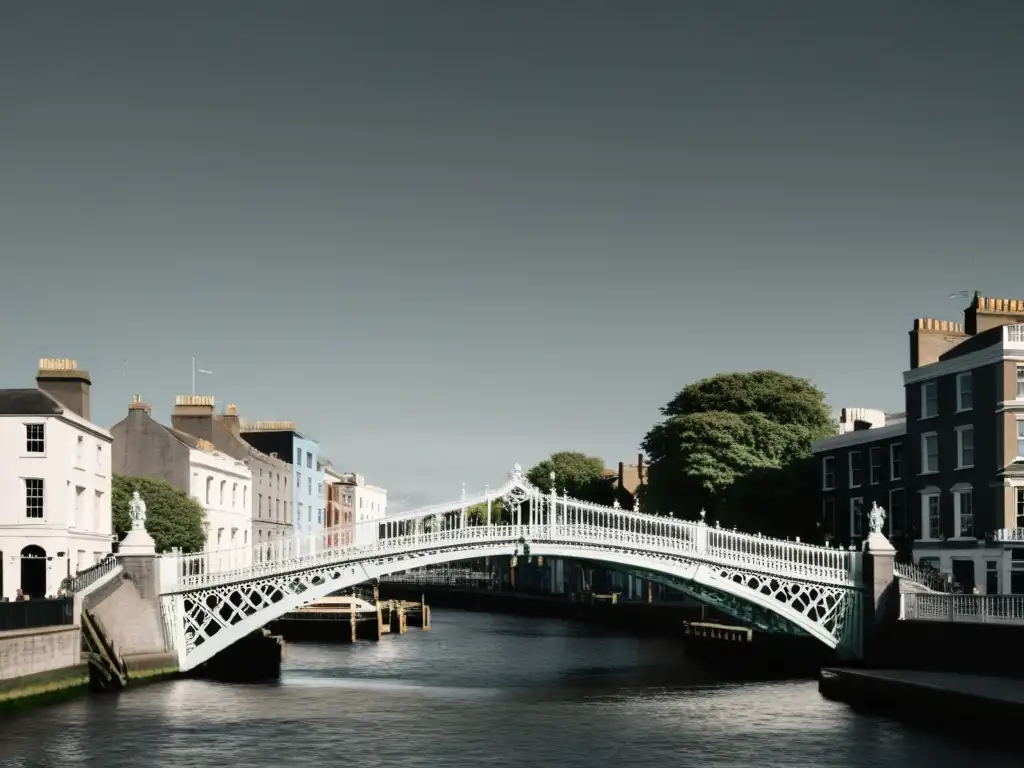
[971,609]
[37,614]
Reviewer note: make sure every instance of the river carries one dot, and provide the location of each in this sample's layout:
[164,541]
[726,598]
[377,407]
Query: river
[480,690]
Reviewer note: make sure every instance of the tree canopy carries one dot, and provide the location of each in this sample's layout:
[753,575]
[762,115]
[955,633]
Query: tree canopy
[173,518]
[581,475]
[722,432]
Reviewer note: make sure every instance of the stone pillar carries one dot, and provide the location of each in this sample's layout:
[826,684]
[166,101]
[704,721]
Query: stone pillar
[881,594]
[137,554]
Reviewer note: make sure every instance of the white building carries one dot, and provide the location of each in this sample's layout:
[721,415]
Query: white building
[55,481]
[368,503]
[223,486]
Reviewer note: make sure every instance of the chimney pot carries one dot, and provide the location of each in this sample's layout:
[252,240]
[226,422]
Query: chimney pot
[61,378]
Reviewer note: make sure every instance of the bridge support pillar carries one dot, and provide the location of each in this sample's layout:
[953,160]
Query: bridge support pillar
[881,595]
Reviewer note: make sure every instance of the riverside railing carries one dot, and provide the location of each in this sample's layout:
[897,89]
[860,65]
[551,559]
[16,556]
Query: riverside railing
[547,519]
[37,614]
[971,609]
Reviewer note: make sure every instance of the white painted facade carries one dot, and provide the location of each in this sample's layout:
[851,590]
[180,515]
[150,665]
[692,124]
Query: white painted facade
[223,486]
[369,502]
[56,499]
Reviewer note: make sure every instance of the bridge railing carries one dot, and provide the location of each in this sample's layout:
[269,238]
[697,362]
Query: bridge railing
[571,524]
[929,578]
[86,578]
[973,609]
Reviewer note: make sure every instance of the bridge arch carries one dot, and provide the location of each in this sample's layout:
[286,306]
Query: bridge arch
[212,599]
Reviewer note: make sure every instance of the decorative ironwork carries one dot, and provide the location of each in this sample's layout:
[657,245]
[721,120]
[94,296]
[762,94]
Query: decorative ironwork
[213,598]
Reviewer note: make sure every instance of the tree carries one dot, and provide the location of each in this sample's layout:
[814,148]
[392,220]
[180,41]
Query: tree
[581,475]
[173,518]
[726,429]
[477,514]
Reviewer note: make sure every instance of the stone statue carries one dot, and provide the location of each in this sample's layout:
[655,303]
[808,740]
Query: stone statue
[137,510]
[876,518]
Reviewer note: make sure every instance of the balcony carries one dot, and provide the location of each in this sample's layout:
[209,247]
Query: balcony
[1008,534]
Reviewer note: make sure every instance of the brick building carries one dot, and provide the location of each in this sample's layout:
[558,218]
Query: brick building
[950,471]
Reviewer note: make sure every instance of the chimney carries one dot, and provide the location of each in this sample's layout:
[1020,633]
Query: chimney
[138,410]
[61,379]
[230,420]
[622,473]
[640,470]
[193,415]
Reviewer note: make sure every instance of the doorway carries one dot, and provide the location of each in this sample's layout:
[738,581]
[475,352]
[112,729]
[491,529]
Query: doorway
[33,571]
[963,573]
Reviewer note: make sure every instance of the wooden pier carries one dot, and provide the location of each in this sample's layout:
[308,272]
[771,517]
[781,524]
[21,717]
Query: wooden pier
[348,618]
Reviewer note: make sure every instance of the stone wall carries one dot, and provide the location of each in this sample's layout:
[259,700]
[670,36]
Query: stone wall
[957,647]
[33,651]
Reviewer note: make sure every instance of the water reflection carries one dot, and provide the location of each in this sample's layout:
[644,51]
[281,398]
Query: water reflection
[478,690]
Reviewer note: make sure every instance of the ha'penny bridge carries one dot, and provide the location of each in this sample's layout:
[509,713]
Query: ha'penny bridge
[210,600]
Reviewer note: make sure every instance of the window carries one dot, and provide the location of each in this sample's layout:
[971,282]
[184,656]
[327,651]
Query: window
[34,498]
[857,517]
[828,518]
[259,502]
[929,399]
[309,485]
[929,453]
[1020,381]
[1017,571]
[856,469]
[319,516]
[992,577]
[234,494]
[80,450]
[277,509]
[965,391]
[298,479]
[309,515]
[828,474]
[245,497]
[1020,507]
[931,523]
[897,512]
[298,457]
[309,460]
[1020,439]
[875,461]
[963,513]
[964,447]
[209,489]
[896,461]
[223,488]
[35,438]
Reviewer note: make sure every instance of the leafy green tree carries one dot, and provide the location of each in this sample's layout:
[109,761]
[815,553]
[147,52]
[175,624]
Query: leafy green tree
[477,514]
[726,429]
[581,475]
[173,518]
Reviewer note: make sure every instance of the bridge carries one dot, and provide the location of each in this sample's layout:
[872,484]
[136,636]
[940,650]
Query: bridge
[210,600]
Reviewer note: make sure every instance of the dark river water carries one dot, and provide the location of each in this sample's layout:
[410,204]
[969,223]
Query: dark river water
[480,690]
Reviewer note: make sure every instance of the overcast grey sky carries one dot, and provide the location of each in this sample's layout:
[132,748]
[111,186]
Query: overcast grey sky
[447,236]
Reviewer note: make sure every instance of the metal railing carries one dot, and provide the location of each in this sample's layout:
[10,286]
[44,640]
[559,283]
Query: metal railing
[971,609]
[1008,534]
[37,614]
[552,519]
[929,578]
[83,579]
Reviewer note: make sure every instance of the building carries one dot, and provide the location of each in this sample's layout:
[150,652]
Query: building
[360,504]
[338,513]
[55,478]
[281,438]
[143,447]
[952,470]
[270,497]
[628,477]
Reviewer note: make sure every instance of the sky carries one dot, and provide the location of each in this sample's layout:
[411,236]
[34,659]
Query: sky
[445,237]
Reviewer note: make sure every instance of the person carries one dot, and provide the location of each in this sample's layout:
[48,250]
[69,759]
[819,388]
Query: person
[19,596]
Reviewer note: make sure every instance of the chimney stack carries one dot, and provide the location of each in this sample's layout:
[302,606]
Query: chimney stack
[60,378]
[193,415]
[230,420]
[138,409]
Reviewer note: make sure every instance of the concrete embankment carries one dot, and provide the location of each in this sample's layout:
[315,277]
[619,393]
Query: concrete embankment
[934,698]
[712,638]
[40,666]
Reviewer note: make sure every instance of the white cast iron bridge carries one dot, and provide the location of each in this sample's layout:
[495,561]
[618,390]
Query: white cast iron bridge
[212,599]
